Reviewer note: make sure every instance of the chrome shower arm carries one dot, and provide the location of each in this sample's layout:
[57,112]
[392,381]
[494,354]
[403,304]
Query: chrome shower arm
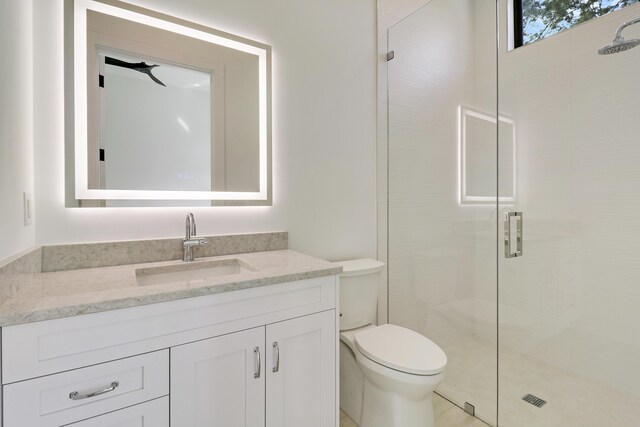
[623,26]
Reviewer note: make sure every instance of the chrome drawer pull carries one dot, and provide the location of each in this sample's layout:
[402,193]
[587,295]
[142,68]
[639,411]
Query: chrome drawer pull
[77,396]
[276,361]
[256,354]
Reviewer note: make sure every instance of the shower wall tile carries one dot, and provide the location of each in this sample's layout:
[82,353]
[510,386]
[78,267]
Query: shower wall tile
[578,173]
[571,302]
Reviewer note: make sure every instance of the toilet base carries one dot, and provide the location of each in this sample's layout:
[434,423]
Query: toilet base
[383,409]
[396,399]
[351,383]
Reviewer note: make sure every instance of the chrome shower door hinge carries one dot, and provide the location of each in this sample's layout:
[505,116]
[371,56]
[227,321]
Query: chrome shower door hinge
[469,409]
[512,231]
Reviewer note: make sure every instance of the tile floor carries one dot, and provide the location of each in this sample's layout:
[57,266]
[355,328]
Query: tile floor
[573,400]
[447,415]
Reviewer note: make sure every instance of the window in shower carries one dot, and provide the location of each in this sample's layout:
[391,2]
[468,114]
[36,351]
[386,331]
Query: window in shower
[535,20]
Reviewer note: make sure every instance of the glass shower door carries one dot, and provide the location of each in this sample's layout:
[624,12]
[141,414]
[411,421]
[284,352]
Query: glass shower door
[442,190]
[569,306]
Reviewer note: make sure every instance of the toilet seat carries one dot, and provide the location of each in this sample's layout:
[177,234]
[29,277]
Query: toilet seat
[401,349]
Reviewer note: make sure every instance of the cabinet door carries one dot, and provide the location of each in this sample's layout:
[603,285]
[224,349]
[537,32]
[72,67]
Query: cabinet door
[219,381]
[301,371]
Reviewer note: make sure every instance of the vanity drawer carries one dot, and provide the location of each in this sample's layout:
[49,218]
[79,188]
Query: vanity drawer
[64,398]
[149,414]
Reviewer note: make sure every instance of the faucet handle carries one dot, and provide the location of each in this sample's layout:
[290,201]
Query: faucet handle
[194,241]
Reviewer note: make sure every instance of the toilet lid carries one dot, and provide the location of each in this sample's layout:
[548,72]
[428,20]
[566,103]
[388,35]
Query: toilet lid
[401,349]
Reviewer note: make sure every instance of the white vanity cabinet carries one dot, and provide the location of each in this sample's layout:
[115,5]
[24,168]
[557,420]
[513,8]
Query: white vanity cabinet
[66,397]
[264,356]
[219,381]
[301,366]
[223,381]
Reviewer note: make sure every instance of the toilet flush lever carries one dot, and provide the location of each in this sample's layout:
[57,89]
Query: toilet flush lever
[512,234]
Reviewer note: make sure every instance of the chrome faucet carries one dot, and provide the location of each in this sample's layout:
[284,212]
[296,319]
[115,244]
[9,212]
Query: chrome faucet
[190,240]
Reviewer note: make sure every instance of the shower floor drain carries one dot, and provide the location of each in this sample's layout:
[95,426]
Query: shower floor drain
[534,400]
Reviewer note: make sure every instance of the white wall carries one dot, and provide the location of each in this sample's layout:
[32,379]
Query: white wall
[323,130]
[16,124]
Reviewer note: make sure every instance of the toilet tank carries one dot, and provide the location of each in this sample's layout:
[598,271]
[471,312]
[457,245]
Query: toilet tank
[359,292]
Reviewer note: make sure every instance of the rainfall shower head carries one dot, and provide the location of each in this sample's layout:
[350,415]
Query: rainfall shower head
[619,43]
[619,46]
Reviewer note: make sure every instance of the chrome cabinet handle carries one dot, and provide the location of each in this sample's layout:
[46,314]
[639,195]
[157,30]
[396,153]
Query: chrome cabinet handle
[276,357]
[77,396]
[508,252]
[256,358]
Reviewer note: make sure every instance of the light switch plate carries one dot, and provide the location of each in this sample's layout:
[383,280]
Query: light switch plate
[27,203]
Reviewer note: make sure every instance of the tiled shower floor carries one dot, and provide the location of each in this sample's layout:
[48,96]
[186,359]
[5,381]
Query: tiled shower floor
[572,400]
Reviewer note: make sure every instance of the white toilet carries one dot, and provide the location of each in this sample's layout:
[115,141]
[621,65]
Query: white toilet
[387,373]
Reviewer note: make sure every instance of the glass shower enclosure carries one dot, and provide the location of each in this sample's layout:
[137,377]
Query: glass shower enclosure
[513,203]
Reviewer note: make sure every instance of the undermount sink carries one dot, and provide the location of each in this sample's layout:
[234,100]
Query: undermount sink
[191,272]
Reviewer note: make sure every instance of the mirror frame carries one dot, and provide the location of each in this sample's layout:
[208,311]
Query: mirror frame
[80,175]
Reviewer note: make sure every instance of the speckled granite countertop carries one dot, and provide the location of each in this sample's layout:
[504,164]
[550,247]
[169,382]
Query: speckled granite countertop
[52,295]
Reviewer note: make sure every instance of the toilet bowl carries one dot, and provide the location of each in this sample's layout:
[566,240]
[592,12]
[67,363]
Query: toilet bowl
[387,373]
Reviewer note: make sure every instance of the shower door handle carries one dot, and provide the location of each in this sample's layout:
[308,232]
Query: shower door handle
[511,232]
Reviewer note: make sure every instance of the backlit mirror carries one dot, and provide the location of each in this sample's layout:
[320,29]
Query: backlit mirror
[167,112]
[478,160]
